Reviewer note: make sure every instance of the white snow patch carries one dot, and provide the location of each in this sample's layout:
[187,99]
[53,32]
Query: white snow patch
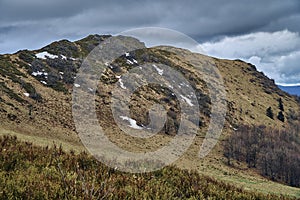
[45,54]
[44,82]
[76,85]
[187,100]
[135,61]
[118,77]
[37,73]
[159,71]
[129,62]
[61,73]
[127,54]
[63,57]
[90,89]
[132,122]
[26,94]
[121,84]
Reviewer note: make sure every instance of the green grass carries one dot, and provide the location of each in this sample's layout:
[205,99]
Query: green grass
[248,180]
[42,141]
[32,172]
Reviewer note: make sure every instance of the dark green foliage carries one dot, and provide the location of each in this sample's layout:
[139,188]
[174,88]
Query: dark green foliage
[58,86]
[11,93]
[276,154]
[89,43]
[26,56]
[53,79]
[31,90]
[280,104]
[65,70]
[37,65]
[30,172]
[8,70]
[63,47]
[270,113]
[280,116]
[22,64]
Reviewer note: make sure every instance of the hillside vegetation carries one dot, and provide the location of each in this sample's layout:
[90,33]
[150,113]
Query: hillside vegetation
[275,153]
[36,104]
[31,172]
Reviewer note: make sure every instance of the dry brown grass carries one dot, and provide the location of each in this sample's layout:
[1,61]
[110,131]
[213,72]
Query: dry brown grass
[51,120]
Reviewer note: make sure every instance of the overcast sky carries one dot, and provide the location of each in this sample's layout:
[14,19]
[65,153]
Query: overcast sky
[264,32]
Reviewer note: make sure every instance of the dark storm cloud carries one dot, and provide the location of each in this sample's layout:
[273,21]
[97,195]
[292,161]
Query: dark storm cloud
[196,18]
[238,17]
[12,11]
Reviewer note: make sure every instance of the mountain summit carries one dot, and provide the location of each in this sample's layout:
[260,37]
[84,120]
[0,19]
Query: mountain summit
[36,96]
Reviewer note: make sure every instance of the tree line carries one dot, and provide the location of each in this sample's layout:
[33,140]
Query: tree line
[275,153]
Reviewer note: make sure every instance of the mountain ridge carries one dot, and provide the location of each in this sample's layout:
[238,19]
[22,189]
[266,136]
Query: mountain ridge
[36,100]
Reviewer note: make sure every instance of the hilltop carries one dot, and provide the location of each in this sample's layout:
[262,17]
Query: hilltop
[36,102]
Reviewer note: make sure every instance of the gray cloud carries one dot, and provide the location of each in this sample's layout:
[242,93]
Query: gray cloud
[275,53]
[200,19]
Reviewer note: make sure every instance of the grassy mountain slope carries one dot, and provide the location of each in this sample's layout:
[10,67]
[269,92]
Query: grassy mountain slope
[36,102]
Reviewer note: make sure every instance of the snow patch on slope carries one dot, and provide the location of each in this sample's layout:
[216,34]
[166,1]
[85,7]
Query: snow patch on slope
[159,71]
[132,122]
[187,100]
[45,54]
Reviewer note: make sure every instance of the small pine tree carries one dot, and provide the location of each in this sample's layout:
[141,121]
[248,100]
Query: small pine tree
[280,104]
[280,116]
[269,113]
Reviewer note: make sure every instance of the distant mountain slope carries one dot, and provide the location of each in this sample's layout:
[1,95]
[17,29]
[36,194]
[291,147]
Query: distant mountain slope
[293,90]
